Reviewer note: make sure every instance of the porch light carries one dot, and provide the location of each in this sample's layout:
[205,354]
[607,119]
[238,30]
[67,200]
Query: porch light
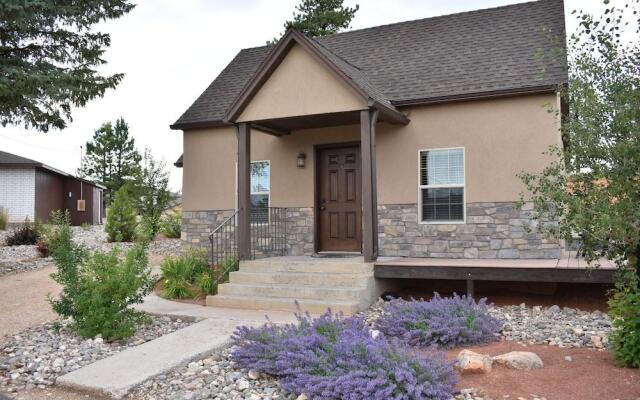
[301,159]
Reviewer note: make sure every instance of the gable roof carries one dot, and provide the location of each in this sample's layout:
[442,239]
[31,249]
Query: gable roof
[350,75]
[13,160]
[474,54]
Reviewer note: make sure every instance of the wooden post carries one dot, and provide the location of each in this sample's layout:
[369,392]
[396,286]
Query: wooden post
[369,197]
[470,287]
[244,191]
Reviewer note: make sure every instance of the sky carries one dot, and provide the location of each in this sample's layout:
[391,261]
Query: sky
[171,50]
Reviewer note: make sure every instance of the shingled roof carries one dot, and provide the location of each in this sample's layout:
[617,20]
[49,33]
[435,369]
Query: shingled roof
[9,160]
[467,55]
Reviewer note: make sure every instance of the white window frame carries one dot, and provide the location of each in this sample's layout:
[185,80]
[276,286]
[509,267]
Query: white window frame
[464,189]
[252,192]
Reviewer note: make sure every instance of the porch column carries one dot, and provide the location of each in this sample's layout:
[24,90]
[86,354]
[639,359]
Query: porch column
[369,191]
[244,191]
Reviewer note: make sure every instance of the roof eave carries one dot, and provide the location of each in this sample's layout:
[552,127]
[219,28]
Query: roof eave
[479,95]
[198,124]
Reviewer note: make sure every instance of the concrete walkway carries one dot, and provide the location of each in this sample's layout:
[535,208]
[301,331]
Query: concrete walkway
[116,375]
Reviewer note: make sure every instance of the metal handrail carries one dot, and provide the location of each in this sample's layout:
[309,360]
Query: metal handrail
[224,239]
[267,235]
[235,212]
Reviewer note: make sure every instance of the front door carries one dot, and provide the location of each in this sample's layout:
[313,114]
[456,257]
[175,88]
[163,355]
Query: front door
[339,199]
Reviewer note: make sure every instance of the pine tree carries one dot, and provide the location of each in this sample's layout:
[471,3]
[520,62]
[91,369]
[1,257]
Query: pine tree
[152,193]
[111,157]
[49,57]
[121,217]
[320,17]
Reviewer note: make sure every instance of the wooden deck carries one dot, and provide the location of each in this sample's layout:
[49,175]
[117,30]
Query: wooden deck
[567,269]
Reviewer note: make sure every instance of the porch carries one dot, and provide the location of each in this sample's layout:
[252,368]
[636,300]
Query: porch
[568,269]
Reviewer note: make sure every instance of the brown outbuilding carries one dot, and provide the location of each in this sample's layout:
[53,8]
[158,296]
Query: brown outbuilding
[31,189]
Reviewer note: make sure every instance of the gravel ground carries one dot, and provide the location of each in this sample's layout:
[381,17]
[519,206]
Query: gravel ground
[555,326]
[26,258]
[35,357]
[213,377]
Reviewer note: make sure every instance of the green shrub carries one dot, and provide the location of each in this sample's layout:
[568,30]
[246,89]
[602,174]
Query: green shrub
[228,264]
[121,218]
[182,276]
[206,283]
[27,234]
[85,226]
[624,309]
[171,225]
[4,219]
[98,289]
[53,233]
[144,231]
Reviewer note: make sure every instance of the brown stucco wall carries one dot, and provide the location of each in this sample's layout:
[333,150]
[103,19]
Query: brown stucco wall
[300,86]
[501,137]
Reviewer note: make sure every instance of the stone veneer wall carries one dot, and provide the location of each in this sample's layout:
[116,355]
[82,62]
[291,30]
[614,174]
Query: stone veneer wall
[492,230]
[300,231]
[197,225]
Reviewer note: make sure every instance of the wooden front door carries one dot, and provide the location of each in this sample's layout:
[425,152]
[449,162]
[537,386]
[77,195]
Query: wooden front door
[339,199]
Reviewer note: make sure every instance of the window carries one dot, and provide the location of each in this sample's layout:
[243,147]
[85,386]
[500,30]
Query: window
[441,197]
[260,184]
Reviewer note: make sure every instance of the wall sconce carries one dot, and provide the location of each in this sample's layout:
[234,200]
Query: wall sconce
[301,160]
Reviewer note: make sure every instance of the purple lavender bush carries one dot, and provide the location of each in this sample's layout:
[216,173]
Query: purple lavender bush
[442,321]
[332,358]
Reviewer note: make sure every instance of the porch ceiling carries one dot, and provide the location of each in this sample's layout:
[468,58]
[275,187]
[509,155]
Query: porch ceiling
[284,126]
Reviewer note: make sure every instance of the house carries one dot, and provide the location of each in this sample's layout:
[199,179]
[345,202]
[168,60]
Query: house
[399,142]
[31,189]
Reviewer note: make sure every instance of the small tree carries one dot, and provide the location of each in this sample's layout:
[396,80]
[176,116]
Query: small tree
[152,193]
[49,56]
[111,157]
[121,217]
[320,17]
[98,289]
[592,186]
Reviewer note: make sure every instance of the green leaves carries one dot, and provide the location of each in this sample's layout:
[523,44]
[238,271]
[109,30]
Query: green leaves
[592,185]
[49,58]
[98,289]
[111,157]
[320,17]
[121,217]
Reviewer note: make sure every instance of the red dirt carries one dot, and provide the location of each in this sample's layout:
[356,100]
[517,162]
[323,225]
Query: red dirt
[591,375]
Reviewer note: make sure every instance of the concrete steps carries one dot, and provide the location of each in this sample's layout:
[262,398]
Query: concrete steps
[343,284]
[294,292]
[298,279]
[283,304]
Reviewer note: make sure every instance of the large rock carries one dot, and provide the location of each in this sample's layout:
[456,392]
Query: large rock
[473,363]
[519,360]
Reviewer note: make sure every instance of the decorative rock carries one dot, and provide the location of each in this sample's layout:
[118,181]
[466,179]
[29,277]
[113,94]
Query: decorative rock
[525,360]
[40,354]
[568,358]
[253,374]
[472,362]
[596,341]
[302,397]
